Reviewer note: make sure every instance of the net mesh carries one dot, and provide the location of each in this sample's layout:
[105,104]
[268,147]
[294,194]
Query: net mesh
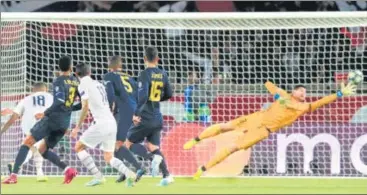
[231,57]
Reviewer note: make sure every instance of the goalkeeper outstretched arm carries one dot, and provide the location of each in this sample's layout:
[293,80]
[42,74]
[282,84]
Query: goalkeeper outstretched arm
[348,90]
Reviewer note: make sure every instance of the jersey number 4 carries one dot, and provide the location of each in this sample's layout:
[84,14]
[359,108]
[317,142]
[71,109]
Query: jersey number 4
[156,91]
[69,102]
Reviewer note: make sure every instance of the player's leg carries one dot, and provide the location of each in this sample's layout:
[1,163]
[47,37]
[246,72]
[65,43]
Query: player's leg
[38,132]
[91,138]
[121,152]
[158,162]
[244,141]
[215,130]
[50,142]
[108,146]
[38,162]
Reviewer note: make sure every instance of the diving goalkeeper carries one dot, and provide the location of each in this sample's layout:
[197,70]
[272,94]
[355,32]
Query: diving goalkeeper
[257,126]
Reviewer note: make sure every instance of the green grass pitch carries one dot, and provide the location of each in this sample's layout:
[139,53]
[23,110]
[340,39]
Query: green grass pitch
[28,185]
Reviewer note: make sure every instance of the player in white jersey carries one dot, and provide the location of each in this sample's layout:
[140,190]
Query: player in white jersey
[31,109]
[103,130]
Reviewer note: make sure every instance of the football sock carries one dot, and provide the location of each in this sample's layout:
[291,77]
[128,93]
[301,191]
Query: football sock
[22,154]
[38,161]
[88,162]
[119,165]
[209,132]
[163,165]
[52,157]
[124,153]
[141,151]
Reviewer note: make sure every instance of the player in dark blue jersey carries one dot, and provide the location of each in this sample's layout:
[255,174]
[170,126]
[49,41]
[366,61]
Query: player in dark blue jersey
[125,91]
[154,87]
[52,127]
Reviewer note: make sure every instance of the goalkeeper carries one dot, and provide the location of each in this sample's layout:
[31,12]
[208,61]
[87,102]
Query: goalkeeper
[257,126]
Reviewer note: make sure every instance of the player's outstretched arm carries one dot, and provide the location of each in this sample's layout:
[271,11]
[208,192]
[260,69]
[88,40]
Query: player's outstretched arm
[348,90]
[274,90]
[83,116]
[8,123]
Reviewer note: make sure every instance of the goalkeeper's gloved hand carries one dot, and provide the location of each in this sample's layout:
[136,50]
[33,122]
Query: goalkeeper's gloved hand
[348,90]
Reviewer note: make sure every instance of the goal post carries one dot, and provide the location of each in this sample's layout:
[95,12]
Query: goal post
[231,56]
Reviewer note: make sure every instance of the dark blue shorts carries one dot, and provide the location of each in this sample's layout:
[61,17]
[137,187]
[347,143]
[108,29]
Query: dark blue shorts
[123,125]
[48,130]
[149,129]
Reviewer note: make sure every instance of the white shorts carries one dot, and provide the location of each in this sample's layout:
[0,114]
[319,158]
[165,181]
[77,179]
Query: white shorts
[102,132]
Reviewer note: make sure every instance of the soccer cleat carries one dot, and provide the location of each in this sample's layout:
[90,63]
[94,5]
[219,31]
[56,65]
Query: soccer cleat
[131,177]
[96,182]
[42,178]
[190,144]
[155,165]
[139,174]
[166,181]
[70,174]
[198,173]
[121,178]
[12,179]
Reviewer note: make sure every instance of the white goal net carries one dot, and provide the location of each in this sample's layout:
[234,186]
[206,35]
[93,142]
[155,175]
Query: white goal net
[231,56]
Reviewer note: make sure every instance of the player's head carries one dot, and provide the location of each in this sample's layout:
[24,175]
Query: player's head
[65,64]
[115,62]
[39,87]
[151,56]
[82,70]
[299,92]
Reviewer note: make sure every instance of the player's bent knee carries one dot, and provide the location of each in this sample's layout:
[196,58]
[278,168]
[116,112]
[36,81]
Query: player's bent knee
[151,147]
[79,147]
[42,147]
[29,141]
[119,144]
[108,156]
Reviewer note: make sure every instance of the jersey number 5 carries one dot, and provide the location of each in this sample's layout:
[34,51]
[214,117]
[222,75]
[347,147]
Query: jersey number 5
[125,82]
[156,91]
[69,102]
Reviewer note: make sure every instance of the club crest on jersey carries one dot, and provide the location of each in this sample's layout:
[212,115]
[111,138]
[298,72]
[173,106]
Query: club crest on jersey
[140,84]
[57,88]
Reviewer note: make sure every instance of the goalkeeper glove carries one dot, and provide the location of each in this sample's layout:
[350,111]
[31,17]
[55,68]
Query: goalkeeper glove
[348,90]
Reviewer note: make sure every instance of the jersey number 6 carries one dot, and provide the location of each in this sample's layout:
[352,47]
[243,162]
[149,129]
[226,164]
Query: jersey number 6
[71,97]
[155,91]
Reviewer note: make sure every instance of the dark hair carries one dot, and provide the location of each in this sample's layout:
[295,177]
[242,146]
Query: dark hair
[298,86]
[65,63]
[39,85]
[82,69]
[151,53]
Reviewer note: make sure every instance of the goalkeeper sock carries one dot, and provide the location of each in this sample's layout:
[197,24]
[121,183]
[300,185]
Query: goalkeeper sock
[124,153]
[38,161]
[52,157]
[22,154]
[218,158]
[209,132]
[163,165]
[88,162]
[140,150]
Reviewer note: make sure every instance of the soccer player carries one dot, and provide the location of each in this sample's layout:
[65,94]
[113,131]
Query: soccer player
[103,131]
[124,105]
[255,127]
[52,127]
[154,87]
[31,109]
